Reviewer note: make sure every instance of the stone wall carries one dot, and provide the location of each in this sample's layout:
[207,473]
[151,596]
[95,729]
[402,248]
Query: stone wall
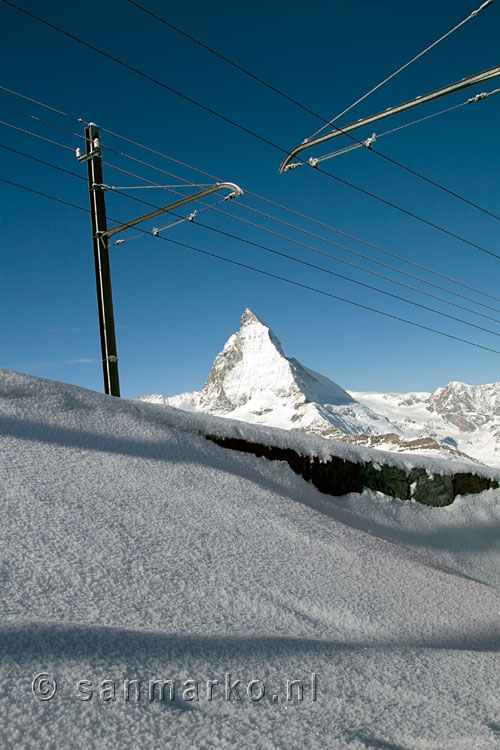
[338,476]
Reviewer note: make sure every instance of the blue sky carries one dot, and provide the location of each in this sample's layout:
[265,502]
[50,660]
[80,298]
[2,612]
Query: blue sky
[175,308]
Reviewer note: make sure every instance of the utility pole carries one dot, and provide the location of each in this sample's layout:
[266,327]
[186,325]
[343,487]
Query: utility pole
[287,164]
[101,260]
[100,239]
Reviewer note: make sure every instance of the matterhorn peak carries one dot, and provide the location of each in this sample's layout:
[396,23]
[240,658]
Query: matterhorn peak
[254,381]
[249,317]
[254,330]
[252,378]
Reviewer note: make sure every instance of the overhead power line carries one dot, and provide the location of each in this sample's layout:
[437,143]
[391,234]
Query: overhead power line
[297,213]
[269,274]
[317,250]
[406,65]
[278,91]
[281,222]
[247,130]
[309,247]
[359,143]
[41,104]
[39,119]
[35,135]
[170,174]
[303,262]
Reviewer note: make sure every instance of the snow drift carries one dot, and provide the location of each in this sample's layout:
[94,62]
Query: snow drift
[134,549]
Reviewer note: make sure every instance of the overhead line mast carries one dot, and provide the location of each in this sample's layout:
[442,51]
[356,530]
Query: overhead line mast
[100,237]
[101,260]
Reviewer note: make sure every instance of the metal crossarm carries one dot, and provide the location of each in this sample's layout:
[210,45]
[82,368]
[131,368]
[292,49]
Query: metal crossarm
[172,206]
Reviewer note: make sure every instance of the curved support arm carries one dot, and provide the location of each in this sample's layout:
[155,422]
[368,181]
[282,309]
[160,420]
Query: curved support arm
[181,202]
[451,89]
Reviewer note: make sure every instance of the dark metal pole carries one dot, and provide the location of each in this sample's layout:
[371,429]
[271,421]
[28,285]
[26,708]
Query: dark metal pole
[101,261]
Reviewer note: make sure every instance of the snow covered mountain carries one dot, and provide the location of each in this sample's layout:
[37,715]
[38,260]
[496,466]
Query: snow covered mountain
[252,380]
[464,416]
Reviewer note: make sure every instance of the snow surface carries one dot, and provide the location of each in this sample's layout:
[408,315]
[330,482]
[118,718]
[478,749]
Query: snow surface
[134,548]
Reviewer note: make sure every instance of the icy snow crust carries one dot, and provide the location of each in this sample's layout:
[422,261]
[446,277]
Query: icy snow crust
[133,548]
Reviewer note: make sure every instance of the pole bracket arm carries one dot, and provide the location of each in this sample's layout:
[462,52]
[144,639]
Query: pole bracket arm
[95,151]
[486,75]
[172,206]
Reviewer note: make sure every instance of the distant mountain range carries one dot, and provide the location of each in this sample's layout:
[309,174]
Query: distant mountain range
[252,380]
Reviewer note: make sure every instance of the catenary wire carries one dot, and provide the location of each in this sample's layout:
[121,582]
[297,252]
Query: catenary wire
[317,250]
[309,247]
[270,202]
[242,205]
[321,159]
[43,122]
[158,169]
[116,190]
[482,96]
[270,231]
[269,274]
[297,213]
[330,122]
[311,265]
[284,208]
[247,130]
[274,88]
[406,65]
[256,211]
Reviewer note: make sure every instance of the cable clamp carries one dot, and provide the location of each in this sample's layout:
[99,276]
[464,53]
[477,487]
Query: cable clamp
[370,141]
[119,242]
[111,358]
[191,216]
[482,7]
[96,151]
[477,98]
[156,232]
[99,186]
[313,162]
[234,194]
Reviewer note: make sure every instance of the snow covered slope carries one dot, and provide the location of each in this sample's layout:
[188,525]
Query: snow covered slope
[134,549]
[466,417]
[252,380]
